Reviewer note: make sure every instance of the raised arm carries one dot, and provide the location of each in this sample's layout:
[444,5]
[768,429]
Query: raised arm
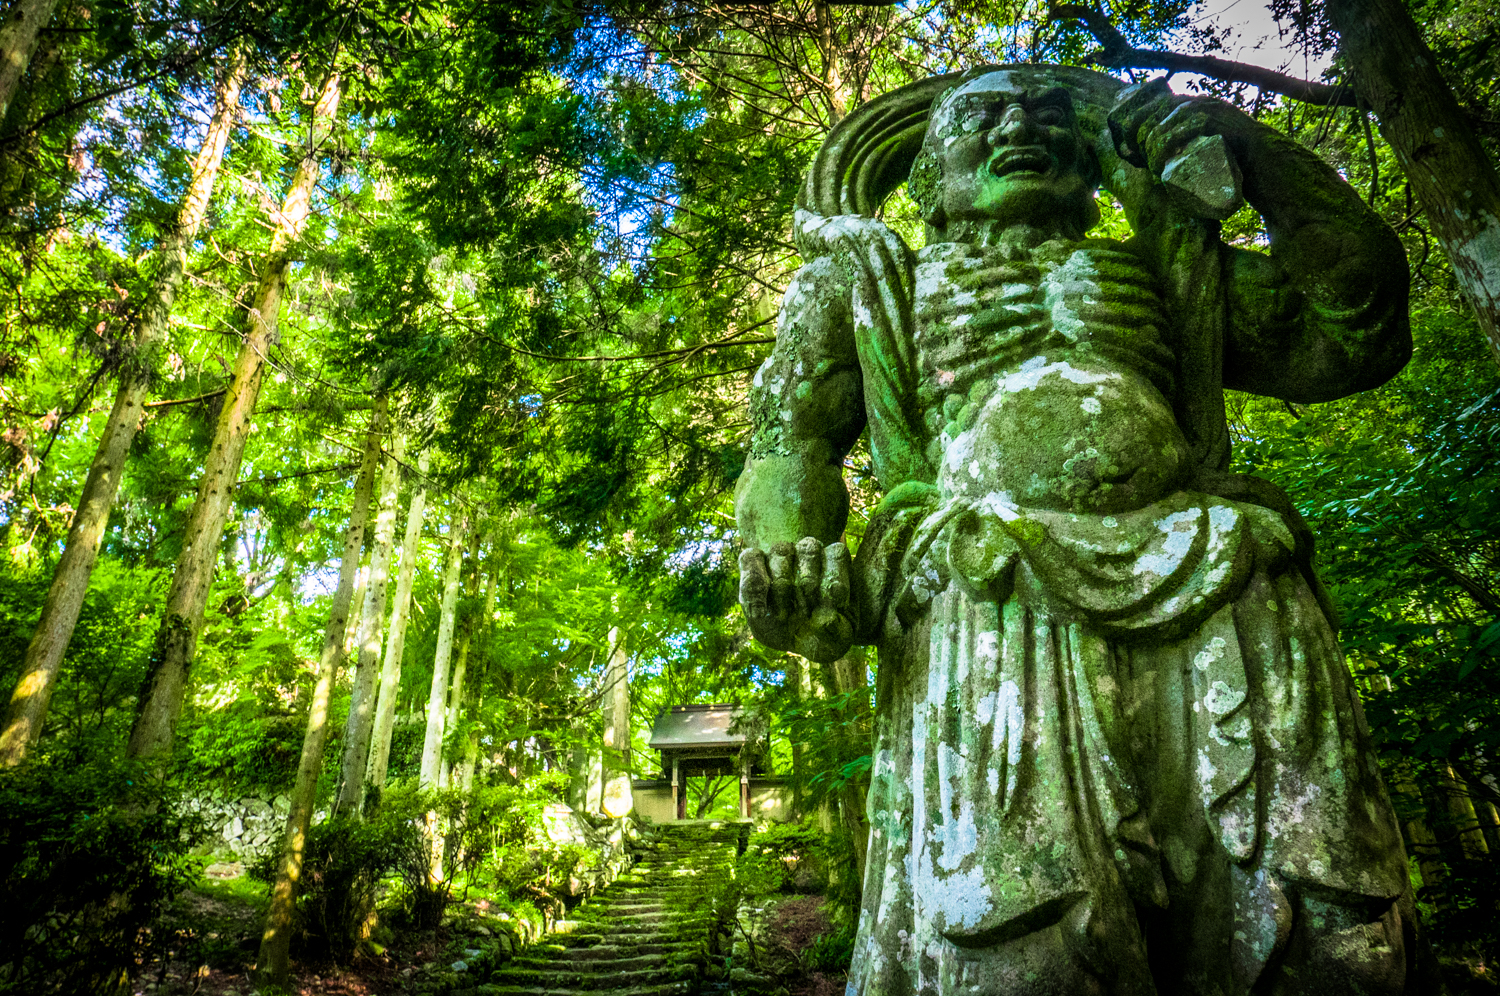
[1324,314]
[807,407]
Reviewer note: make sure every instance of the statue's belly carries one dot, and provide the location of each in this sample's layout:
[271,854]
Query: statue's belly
[1070,433]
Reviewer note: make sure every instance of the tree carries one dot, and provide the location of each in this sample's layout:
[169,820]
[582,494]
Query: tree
[273,966]
[361,720]
[28,705]
[390,670]
[161,699]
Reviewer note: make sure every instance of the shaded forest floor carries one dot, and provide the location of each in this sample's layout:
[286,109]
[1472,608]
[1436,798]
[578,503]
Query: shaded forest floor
[219,938]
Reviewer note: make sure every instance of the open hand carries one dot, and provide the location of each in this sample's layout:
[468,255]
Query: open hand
[796,598]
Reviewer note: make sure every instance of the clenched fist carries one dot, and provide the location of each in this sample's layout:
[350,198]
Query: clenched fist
[796,598]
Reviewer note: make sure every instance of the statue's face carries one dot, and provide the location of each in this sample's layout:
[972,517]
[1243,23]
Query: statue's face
[1009,148]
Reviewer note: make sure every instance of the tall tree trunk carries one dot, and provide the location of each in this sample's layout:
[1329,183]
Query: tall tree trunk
[273,966]
[795,667]
[618,796]
[182,619]
[460,669]
[471,744]
[395,645]
[357,728]
[23,22]
[1394,72]
[851,678]
[437,699]
[454,712]
[70,581]
[351,629]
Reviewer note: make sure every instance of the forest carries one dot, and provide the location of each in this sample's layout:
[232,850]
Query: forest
[373,392]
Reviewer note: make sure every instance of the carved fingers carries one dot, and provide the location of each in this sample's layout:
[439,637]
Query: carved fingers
[1151,125]
[796,597]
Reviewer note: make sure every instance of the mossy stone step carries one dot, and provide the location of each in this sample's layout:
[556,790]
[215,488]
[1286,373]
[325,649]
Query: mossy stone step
[663,989]
[594,966]
[554,978]
[622,949]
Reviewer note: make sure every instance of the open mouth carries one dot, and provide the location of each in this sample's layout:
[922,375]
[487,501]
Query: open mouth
[1028,159]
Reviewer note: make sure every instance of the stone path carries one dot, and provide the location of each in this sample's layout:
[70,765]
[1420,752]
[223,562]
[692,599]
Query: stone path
[648,934]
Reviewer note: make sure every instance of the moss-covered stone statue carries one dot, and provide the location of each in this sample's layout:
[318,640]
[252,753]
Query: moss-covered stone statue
[1117,748]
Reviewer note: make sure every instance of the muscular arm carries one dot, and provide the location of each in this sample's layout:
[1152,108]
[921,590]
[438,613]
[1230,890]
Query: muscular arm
[808,409]
[791,503]
[1325,314]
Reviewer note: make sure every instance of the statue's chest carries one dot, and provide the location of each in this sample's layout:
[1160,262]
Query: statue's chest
[979,313]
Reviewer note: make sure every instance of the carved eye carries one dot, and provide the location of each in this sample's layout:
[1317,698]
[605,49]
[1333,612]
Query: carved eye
[977,119]
[1049,115]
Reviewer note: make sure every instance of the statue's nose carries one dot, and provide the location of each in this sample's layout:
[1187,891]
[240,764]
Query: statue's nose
[1015,127]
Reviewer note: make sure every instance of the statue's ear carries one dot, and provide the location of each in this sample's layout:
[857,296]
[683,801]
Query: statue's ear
[870,153]
[924,185]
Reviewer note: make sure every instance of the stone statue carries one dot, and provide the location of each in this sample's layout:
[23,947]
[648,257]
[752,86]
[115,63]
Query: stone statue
[1117,748]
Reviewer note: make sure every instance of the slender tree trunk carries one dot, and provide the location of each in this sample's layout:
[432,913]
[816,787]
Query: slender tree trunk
[454,711]
[395,645]
[460,670]
[177,639]
[1462,816]
[471,744]
[437,699]
[794,672]
[273,966]
[351,629]
[1394,72]
[70,581]
[18,35]
[357,728]
[618,798]
[851,678]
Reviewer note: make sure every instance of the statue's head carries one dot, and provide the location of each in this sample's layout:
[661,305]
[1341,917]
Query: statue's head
[1005,145]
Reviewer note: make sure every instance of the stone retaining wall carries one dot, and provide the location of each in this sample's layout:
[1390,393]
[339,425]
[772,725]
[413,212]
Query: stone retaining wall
[240,826]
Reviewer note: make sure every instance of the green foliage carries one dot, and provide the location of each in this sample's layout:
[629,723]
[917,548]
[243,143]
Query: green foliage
[92,703]
[342,866]
[91,855]
[243,750]
[832,951]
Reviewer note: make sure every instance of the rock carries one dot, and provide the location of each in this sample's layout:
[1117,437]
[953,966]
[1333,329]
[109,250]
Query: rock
[225,869]
[460,966]
[745,977]
[252,805]
[234,828]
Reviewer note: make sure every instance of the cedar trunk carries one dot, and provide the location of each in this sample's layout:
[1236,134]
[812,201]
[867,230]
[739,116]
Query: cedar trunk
[437,698]
[177,638]
[395,645]
[357,728]
[23,23]
[1395,74]
[70,581]
[275,943]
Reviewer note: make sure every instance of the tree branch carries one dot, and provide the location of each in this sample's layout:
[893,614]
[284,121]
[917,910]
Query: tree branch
[1118,53]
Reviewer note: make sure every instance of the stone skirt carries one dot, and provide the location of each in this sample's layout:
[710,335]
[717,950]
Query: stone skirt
[1035,770]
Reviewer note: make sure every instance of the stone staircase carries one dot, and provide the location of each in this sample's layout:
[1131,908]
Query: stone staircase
[647,934]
